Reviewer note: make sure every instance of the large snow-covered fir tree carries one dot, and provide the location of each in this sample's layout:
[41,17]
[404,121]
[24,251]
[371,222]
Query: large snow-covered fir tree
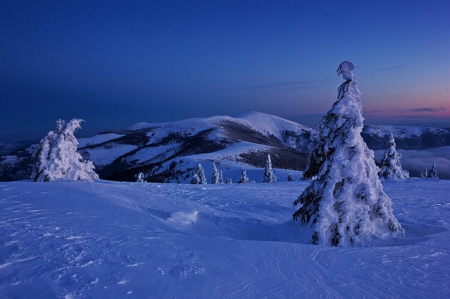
[56,157]
[345,204]
[199,175]
[269,175]
[390,166]
[215,179]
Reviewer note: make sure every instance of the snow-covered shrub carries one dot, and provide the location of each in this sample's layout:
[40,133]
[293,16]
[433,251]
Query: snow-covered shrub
[56,157]
[424,174]
[244,178]
[269,176]
[290,178]
[195,179]
[140,177]
[345,204]
[229,181]
[390,165]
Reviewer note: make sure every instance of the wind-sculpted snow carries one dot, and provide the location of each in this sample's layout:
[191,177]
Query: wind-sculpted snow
[143,240]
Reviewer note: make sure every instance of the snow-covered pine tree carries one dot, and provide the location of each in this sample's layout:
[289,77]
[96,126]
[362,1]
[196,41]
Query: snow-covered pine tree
[424,174]
[215,175]
[269,176]
[290,178]
[56,157]
[346,204]
[433,173]
[220,177]
[244,178]
[315,159]
[199,175]
[390,165]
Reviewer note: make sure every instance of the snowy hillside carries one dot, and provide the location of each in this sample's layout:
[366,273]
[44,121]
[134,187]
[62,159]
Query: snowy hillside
[169,151]
[273,125]
[142,240]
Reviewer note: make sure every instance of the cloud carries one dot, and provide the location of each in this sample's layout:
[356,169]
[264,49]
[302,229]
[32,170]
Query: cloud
[420,110]
[415,161]
[390,68]
[279,84]
[371,111]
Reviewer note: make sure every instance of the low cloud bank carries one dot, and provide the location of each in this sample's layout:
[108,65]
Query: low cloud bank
[415,161]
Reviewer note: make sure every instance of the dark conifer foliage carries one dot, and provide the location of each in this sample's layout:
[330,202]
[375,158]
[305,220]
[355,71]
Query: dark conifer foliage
[345,203]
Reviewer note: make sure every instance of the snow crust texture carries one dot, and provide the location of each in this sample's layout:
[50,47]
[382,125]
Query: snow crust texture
[142,240]
[345,203]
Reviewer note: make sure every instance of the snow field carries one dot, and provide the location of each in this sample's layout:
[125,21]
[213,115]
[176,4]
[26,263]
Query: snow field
[142,240]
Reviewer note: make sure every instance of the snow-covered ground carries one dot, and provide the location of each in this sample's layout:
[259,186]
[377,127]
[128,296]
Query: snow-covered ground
[142,240]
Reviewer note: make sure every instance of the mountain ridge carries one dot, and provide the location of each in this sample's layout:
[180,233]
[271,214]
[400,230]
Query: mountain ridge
[167,152]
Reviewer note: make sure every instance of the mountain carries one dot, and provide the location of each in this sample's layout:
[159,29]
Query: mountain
[168,152]
[6,148]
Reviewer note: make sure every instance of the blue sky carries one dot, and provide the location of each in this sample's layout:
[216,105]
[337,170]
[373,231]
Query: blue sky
[116,63]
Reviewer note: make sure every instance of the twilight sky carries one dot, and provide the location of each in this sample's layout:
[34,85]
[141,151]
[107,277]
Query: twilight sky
[116,63]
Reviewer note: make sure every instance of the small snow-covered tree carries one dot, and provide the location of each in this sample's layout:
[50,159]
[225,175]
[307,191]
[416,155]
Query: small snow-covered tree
[244,178]
[195,179]
[433,173]
[290,178]
[56,157]
[390,165]
[345,204]
[199,175]
[430,174]
[424,174]
[220,177]
[269,176]
[215,175]
[229,181]
[140,177]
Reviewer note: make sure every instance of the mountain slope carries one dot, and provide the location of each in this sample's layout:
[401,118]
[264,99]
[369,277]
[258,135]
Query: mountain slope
[169,151]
